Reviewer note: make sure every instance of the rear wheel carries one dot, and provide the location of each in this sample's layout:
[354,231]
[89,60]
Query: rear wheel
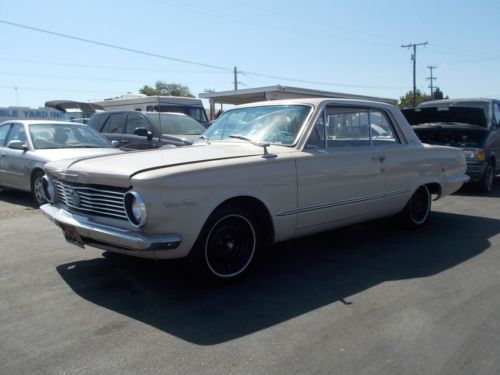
[37,188]
[485,184]
[227,245]
[416,211]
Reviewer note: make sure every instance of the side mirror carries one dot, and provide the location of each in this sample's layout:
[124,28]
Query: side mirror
[142,132]
[115,143]
[17,145]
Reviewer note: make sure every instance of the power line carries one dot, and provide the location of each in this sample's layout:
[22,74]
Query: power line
[114,46]
[132,50]
[110,67]
[322,83]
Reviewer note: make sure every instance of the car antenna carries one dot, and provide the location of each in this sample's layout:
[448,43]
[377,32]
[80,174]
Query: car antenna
[159,118]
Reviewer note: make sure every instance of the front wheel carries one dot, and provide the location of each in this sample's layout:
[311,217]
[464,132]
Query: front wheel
[416,211]
[37,188]
[227,244]
[485,184]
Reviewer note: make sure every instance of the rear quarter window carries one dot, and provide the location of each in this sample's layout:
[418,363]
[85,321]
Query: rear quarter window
[97,120]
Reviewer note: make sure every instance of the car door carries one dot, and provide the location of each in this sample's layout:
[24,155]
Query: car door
[4,131]
[340,176]
[397,156]
[113,128]
[131,139]
[16,171]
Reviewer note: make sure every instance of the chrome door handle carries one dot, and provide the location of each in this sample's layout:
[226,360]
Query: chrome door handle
[4,154]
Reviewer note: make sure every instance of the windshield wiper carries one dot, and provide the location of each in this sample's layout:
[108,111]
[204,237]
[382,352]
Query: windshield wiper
[259,144]
[205,138]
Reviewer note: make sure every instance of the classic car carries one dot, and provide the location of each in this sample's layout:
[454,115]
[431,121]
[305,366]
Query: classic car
[145,130]
[26,145]
[261,174]
[471,124]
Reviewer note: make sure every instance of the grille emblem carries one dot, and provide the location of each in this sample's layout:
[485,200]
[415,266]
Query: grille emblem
[73,197]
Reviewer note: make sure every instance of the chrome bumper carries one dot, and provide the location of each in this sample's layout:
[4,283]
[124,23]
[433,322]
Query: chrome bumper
[457,179]
[107,237]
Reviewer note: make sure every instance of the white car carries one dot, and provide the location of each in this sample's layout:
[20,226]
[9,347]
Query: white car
[26,145]
[262,173]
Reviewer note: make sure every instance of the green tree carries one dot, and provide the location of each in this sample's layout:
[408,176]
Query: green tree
[166,89]
[406,101]
[438,94]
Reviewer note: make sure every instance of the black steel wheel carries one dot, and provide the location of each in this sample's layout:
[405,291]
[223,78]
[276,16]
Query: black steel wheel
[416,211]
[228,244]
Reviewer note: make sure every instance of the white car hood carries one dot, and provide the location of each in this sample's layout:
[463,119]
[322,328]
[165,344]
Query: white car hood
[117,169]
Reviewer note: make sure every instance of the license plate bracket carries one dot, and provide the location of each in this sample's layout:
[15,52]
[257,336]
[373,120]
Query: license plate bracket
[71,235]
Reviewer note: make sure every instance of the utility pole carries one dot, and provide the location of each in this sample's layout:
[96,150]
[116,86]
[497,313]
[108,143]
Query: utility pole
[414,58]
[235,78]
[431,79]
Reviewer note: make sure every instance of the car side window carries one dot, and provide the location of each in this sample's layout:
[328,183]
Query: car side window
[347,127]
[17,133]
[136,121]
[114,123]
[381,130]
[4,129]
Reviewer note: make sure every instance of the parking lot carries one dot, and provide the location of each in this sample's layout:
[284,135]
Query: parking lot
[367,299]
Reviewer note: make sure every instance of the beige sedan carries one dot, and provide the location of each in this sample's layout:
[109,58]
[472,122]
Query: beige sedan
[261,174]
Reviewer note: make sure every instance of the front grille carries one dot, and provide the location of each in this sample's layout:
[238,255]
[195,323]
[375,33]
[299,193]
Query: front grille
[99,200]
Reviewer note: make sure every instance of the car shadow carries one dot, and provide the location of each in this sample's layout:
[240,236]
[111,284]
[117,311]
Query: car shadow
[293,279]
[470,190]
[17,197]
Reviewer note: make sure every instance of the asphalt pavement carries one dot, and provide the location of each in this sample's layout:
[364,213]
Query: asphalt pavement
[367,299]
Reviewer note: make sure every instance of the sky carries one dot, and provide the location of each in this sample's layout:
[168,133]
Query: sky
[342,46]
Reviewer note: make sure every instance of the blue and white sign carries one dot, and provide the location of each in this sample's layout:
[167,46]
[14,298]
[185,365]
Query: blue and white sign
[25,113]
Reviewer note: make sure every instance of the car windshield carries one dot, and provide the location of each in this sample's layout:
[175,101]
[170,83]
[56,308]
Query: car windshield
[47,136]
[176,124]
[276,124]
[198,113]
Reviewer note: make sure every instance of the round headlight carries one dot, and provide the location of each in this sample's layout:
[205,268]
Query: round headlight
[48,189]
[136,209]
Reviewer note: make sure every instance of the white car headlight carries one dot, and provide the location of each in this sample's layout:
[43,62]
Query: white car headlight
[48,189]
[136,209]
[476,154]
[470,154]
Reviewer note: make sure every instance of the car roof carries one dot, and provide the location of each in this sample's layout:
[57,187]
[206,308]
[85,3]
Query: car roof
[35,122]
[316,102]
[143,112]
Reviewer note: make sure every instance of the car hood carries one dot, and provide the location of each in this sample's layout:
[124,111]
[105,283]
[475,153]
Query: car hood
[73,153]
[451,134]
[117,170]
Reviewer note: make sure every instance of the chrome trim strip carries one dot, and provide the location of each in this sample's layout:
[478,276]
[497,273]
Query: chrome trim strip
[76,187]
[92,200]
[124,216]
[342,203]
